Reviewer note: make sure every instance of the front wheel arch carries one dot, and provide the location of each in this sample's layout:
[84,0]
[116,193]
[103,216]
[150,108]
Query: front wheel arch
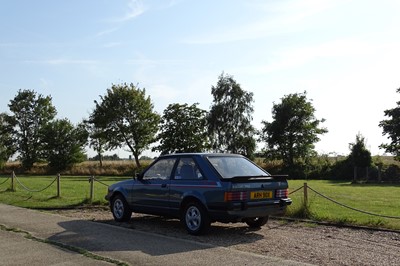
[120,208]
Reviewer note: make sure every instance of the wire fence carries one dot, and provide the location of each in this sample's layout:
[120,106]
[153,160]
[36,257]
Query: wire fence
[305,187]
[16,180]
[33,190]
[93,180]
[4,181]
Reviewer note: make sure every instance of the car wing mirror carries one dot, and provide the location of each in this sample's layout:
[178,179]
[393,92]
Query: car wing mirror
[138,176]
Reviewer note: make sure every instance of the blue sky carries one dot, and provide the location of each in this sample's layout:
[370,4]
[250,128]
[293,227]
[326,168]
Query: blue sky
[345,54]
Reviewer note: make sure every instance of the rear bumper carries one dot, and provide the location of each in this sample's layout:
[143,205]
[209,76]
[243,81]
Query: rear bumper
[237,211]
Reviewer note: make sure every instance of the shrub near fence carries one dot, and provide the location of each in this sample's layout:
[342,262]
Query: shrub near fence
[109,168]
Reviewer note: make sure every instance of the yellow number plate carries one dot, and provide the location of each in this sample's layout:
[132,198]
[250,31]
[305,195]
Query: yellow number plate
[261,195]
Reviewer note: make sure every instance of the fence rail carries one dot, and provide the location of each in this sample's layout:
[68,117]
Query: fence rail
[92,180]
[15,180]
[305,188]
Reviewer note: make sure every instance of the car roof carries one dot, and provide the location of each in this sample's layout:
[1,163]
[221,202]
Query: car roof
[203,154]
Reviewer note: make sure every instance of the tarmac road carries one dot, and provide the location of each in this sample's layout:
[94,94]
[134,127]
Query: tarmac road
[29,237]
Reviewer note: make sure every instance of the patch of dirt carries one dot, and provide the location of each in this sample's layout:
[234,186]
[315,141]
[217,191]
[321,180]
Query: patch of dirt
[303,242]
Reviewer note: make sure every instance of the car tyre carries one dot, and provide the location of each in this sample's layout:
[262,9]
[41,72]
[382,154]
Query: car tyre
[120,209]
[256,222]
[195,218]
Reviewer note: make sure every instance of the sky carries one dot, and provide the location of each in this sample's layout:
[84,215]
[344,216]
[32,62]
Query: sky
[344,53]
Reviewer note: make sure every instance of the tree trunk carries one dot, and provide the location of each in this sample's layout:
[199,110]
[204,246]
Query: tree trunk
[136,159]
[379,173]
[355,174]
[100,159]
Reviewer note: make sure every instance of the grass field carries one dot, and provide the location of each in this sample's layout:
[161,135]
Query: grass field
[380,199]
[74,191]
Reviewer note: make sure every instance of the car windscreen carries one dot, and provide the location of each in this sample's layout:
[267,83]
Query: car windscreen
[231,166]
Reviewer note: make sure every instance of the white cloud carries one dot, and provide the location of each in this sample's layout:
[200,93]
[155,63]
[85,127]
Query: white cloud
[106,32]
[135,9]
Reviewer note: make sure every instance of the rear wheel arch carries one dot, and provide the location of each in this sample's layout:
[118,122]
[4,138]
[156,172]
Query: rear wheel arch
[190,199]
[194,216]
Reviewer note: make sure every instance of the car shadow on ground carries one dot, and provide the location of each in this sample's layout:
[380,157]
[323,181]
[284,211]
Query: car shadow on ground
[152,235]
[219,234]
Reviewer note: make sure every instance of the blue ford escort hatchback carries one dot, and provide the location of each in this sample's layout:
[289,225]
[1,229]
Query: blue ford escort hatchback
[199,189]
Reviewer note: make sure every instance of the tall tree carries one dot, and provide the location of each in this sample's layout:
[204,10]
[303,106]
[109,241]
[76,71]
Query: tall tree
[31,112]
[293,131]
[64,143]
[126,117]
[230,116]
[7,145]
[183,129]
[391,128]
[97,140]
[360,156]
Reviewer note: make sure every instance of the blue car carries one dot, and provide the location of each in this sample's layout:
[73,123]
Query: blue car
[201,188]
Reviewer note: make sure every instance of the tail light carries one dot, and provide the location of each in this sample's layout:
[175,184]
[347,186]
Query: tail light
[281,193]
[235,195]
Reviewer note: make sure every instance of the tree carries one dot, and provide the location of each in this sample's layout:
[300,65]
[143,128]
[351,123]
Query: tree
[359,155]
[126,117]
[7,146]
[183,129]
[97,140]
[64,144]
[230,116]
[293,131]
[31,112]
[391,128]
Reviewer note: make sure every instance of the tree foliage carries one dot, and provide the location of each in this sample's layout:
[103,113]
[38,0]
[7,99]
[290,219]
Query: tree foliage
[126,117]
[31,112]
[97,140]
[293,131]
[230,116]
[183,129]
[7,145]
[64,144]
[360,156]
[391,128]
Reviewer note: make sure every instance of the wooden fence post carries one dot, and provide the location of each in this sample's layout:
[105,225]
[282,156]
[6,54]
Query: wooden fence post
[58,186]
[305,201]
[13,181]
[355,174]
[91,189]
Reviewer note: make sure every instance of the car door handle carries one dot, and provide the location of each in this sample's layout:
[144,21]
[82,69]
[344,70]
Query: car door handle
[164,185]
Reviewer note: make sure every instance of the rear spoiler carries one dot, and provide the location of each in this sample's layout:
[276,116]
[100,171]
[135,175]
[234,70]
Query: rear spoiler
[257,178]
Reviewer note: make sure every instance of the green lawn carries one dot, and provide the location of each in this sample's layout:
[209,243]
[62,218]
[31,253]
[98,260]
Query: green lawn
[382,199]
[378,199]
[74,191]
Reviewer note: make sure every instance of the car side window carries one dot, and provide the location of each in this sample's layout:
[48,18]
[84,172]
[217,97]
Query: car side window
[162,170]
[187,169]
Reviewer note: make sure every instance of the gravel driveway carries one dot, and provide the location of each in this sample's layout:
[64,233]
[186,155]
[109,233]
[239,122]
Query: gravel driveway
[304,242]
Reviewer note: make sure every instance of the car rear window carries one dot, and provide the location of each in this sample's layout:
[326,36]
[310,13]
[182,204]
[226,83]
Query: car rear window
[231,166]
